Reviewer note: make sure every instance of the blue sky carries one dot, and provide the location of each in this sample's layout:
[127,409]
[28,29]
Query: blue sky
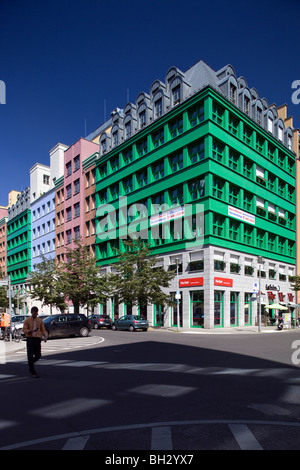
[67,64]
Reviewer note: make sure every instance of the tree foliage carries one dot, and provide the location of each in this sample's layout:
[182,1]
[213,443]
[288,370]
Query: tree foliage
[137,280]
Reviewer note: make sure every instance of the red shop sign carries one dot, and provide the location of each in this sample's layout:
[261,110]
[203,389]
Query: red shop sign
[221,281]
[192,281]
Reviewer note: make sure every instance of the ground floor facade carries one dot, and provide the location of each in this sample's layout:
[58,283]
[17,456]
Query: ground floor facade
[218,288]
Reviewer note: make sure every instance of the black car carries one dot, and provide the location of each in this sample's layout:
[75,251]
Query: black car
[131,323]
[62,326]
[97,321]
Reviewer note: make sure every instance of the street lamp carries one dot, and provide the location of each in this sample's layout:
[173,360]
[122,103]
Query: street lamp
[177,296]
[260,261]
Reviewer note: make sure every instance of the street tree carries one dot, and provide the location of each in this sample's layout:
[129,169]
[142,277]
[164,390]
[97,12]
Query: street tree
[80,279]
[137,280]
[46,285]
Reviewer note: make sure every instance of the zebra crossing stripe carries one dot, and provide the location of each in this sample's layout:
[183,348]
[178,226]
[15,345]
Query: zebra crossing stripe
[244,437]
[76,443]
[161,438]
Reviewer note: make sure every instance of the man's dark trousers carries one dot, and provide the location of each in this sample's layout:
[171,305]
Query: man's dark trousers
[33,352]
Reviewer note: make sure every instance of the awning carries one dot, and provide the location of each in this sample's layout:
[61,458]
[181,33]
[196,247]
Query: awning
[276,307]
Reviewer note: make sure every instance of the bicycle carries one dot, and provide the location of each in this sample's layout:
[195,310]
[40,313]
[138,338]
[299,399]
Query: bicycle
[8,334]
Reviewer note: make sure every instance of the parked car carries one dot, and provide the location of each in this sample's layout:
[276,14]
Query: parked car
[97,321]
[18,321]
[131,323]
[62,326]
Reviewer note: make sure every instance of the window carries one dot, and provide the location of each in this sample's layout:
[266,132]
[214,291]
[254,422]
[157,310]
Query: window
[158,138]
[176,127]
[114,189]
[102,170]
[68,191]
[217,114]
[76,210]
[218,151]
[196,151]
[232,92]
[233,230]
[128,130]
[158,170]
[197,189]
[176,94]
[76,233]
[248,238]
[68,169]
[158,108]
[176,195]
[142,117]
[69,236]
[142,147]
[114,163]
[68,214]
[127,156]
[233,194]
[197,307]
[76,163]
[233,125]
[142,179]
[115,138]
[196,115]
[260,237]
[218,308]
[247,168]
[77,186]
[218,225]
[46,179]
[218,187]
[247,135]
[233,160]
[128,185]
[176,162]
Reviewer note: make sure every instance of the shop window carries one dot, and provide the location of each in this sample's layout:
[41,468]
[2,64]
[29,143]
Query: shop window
[197,308]
[218,308]
[234,308]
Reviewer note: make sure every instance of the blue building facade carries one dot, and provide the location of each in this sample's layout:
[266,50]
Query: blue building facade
[43,228]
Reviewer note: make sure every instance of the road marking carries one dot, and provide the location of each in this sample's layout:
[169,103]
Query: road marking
[131,427]
[76,443]
[244,437]
[161,438]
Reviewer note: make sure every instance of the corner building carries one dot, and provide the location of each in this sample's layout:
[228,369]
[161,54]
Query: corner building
[202,141]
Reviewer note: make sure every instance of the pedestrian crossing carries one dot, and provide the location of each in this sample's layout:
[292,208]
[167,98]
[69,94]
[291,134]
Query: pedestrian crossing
[171,436]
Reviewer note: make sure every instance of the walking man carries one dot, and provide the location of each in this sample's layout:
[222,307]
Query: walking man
[34,331]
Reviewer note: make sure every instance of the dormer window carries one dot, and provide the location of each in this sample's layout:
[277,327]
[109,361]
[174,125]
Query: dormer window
[246,105]
[158,108]
[176,95]
[115,139]
[103,146]
[142,119]
[232,93]
[128,130]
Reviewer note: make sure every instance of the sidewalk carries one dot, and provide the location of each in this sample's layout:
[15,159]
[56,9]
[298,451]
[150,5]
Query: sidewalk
[221,331]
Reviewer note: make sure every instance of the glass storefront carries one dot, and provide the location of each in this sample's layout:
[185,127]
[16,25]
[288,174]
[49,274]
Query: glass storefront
[197,308]
[218,308]
[174,311]
[248,309]
[234,308]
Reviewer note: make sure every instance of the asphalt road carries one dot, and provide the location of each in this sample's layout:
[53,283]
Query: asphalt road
[153,391]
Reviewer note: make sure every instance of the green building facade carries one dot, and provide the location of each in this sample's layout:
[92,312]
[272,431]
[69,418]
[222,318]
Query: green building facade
[19,242]
[204,170]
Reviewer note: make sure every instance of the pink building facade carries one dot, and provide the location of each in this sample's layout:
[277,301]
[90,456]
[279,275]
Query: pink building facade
[74,189]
